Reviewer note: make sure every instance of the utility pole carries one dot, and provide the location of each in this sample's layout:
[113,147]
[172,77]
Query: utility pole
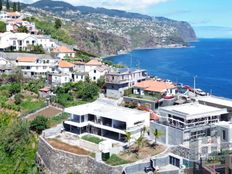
[194,84]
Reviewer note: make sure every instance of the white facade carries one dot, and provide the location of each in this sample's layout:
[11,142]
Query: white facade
[106,119]
[7,16]
[193,125]
[36,69]
[20,41]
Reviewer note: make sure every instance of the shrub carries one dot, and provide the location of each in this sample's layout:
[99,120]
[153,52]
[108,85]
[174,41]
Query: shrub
[18,98]
[39,124]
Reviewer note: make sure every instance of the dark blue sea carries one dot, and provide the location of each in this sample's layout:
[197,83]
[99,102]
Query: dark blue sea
[209,59]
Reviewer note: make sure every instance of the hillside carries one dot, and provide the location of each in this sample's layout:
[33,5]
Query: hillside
[102,31]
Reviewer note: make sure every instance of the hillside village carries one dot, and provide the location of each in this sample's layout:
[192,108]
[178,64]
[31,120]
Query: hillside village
[93,116]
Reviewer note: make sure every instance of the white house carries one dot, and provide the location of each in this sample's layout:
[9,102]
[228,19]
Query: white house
[152,87]
[7,16]
[62,73]
[12,26]
[62,52]
[191,125]
[32,67]
[16,41]
[106,119]
[21,41]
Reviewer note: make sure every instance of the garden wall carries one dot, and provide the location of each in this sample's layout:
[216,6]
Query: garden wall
[54,161]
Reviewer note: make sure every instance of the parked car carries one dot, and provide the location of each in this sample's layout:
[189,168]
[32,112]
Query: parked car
[188,88]
[200,92]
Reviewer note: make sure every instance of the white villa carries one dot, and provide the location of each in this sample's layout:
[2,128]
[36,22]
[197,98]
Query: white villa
[7,16]
[62,52]
[12,26]
[106,119]
[120,79]
[21,41]
[33,67]
[191,125]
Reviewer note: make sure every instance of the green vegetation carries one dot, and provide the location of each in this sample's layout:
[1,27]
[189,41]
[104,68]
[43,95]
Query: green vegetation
[48,29]
[30,105]
[53,121]
[17,146]
[35,49]
[58,24]
[34,85]
[7,5]
[39,124]
[14,6]
[115,160]
[110,63]
[76,93]
[92,139]
[0,5]
[2,27]
[22,29]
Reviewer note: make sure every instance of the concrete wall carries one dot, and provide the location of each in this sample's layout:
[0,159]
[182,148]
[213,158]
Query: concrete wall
[170,136]
[54,161]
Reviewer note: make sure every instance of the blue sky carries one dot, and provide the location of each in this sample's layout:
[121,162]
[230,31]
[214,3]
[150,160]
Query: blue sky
[210,18]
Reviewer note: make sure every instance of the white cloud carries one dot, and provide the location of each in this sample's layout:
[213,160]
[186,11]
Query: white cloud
[130,5]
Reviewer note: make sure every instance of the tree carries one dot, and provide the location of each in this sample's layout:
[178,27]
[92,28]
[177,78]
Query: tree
[157,134]
[139,142]
[2,26]
[19,6]
[39,124]
[7,5]
[88,91]
[101,82]
[22,29]
[14,6]
[0,5]
[58,24]
[18,98]
[15,88]
[128,138]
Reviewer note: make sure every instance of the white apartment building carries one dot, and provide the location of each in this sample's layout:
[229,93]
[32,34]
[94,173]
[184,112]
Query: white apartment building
[191,125]
[12,26]
[7,16]
[119,79]
[33,67]
[105,119]
[21,41]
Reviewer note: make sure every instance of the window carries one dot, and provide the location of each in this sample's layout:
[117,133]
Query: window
[94,71]
[94,78]
[224,135]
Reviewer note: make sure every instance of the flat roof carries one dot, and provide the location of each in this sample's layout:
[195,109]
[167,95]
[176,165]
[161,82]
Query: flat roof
[106,109]
[216,100]
[194,110]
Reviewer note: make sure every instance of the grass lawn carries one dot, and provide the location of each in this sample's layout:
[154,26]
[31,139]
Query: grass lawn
[29,105]
[53,121]
[114,160]
[92,139]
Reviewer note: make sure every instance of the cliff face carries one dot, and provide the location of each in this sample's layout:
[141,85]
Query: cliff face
[102,31]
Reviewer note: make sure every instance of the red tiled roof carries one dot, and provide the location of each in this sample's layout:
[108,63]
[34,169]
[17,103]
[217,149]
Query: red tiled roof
[94,62]
[65,64]
[154,86]
[26,59]
[62,49]
[45,89]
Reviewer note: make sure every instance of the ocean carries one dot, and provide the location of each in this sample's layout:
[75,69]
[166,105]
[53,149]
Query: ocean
[210,60]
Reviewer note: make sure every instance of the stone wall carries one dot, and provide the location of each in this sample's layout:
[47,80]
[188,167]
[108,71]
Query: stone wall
[54,161]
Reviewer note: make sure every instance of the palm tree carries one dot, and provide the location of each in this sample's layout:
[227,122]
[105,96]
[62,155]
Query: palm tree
[139,143]
[128,137]
[157,134]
